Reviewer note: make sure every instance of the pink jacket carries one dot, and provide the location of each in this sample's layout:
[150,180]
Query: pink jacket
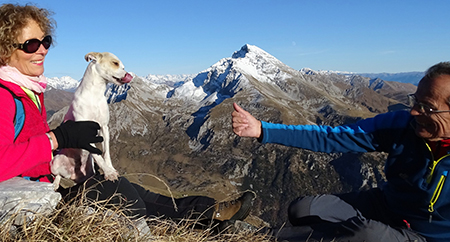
[30,154]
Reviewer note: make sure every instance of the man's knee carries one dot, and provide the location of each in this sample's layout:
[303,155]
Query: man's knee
[299,212]
[316,209]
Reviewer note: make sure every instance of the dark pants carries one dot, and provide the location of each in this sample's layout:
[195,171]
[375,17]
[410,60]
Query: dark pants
[360,216]
[138,201]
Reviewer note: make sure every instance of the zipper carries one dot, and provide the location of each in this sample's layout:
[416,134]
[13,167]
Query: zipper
[436,194]
[440,185]
[432,166]
[435,162]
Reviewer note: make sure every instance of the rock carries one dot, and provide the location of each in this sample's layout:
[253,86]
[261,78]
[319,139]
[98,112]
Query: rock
[142,229]
[21,200]
[24,198]
[236,226]
[138,227]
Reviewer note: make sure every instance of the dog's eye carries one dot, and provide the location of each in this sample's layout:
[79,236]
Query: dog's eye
[116,63]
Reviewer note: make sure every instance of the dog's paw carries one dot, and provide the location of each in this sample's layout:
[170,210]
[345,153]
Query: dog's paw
[56,182]
[111,174]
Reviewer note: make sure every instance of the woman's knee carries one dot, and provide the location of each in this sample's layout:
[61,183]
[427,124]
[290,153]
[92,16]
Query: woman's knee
[120,193]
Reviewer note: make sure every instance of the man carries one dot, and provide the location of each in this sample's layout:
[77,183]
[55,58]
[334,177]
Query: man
[414,203]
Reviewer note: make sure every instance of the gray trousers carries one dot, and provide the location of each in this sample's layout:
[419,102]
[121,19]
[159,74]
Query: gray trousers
[361,216]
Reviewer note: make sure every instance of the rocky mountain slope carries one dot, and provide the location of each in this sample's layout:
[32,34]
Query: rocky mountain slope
[181,133]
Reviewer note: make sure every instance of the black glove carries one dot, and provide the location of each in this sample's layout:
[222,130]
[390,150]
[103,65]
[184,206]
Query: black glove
[81,134]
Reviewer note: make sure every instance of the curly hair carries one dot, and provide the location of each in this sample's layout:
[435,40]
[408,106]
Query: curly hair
[13,18]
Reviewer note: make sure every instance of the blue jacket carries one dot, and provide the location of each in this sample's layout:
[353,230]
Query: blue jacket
[416,187]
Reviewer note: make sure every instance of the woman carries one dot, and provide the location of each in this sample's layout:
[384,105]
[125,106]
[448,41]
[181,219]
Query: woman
[25,38]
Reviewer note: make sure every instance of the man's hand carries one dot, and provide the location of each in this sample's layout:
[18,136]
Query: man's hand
[244,124]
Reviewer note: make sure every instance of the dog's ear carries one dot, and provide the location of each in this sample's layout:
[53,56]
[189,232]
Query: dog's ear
[92,56]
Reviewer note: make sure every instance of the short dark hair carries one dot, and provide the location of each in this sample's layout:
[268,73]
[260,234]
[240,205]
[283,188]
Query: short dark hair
[442,68]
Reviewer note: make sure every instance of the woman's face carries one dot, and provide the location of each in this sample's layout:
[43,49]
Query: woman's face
[30,64]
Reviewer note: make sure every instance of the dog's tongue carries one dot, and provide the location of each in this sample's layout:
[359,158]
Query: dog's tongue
[127,78]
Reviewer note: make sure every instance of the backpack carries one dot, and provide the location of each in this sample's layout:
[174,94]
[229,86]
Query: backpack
[19,115]
[19,121]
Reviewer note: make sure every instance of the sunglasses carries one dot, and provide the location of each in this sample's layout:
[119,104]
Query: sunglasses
[32,45]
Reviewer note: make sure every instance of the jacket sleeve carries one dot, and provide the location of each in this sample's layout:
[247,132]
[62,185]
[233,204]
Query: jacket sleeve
[373,134]
[20,158]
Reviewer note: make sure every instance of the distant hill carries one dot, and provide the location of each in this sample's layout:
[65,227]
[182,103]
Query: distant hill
[404,77]
[56,99]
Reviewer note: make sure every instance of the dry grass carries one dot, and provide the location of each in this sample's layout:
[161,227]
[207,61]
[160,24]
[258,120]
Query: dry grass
[168,231]
[75,222]
[79,222]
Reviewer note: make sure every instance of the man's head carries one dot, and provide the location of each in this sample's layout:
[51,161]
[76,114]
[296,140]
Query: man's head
[432,105]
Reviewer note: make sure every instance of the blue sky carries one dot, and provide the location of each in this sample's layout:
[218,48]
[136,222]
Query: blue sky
[186,37]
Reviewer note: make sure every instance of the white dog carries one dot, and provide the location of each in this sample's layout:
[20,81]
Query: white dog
[90,103]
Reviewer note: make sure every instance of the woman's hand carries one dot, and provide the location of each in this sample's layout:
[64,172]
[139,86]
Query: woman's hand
[81,134]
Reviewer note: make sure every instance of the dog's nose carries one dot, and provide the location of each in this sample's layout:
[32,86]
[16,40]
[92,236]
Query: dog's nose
[127,78]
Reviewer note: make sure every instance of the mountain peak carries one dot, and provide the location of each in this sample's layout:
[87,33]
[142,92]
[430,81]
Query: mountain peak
[247,49]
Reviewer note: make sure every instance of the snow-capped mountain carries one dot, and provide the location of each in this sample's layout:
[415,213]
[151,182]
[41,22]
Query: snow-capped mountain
[229,75]
[403,77]
[65,83]
[169,80]
[249,60]
[308,71]
[116,93]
